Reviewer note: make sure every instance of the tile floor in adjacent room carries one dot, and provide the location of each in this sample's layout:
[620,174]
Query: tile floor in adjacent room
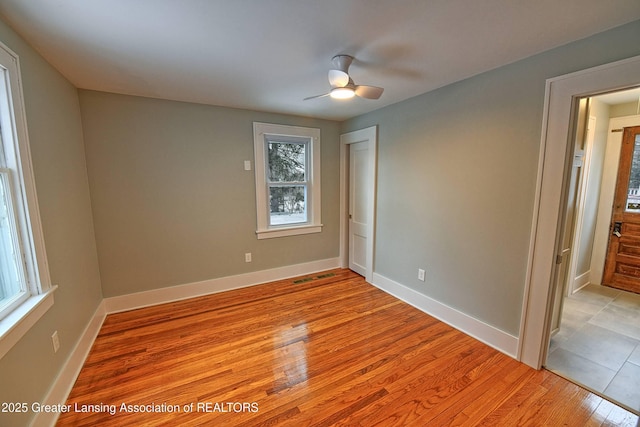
[598,345]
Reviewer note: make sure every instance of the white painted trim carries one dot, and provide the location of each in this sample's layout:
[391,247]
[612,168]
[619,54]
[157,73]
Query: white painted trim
[17,148]
[369,135]
[261,133]
[493,337]
[17,155]
[205,287]
[534,224]
[63,384]
[581,201]
[288,231]
[17,323]
[581,281]
[557,121]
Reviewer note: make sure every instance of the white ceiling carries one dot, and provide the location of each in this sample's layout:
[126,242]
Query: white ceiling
[270,54]
[621,97]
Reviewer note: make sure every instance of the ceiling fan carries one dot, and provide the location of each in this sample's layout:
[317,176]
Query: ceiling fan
[342,85]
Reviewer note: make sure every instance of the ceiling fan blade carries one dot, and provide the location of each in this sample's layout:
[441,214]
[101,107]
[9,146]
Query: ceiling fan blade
[338,78]
[316,96]
[368,92]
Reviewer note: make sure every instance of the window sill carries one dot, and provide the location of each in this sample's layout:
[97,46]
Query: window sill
[15,325]
[288,231]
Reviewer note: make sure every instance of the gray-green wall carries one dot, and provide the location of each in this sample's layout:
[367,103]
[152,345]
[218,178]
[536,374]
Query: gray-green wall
[457,175]
[28,370]
[172,202]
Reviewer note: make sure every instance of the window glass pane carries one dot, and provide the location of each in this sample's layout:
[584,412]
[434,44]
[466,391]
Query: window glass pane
[11,277]
[633,198]
[287,205]
[287,162]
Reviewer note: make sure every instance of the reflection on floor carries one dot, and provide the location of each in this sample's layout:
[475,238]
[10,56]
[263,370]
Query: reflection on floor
[598,345]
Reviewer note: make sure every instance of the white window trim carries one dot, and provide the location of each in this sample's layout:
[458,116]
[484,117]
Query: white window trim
[261,134]
[6,177]
[13,126]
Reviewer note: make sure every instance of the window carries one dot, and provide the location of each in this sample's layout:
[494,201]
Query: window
[25,287]
[633,192]
[287,167]
[13,284]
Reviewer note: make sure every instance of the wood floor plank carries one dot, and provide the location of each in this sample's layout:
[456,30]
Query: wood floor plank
[455,408]
[326,349]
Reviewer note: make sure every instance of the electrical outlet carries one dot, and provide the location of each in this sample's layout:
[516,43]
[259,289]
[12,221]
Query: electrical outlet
[247,165]
[55,341]
[421,273]
[247,257]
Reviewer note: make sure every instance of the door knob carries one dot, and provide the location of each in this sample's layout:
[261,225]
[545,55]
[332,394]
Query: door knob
[617,227]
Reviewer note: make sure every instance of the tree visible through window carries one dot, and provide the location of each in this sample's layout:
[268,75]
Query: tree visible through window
[287,166]
[287,182]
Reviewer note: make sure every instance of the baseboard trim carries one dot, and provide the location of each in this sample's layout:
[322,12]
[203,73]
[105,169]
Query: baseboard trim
[581,281]
[212,286]
[500,340]
[66,379]
[63,384]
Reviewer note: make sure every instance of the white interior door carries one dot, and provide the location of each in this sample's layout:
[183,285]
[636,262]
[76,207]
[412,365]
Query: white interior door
[358,157]
[358,206]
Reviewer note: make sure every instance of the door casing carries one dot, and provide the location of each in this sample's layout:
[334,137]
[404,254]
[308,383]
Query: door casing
[551,187]
[369,135]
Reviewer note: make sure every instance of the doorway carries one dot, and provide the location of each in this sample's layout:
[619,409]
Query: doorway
[560,95]
[595,338]
[358,161]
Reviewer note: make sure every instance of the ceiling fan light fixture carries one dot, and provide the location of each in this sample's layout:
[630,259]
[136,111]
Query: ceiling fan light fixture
[342,93]
[342,85]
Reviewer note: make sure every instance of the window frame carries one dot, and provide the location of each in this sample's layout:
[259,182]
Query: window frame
[263,134]
[6,179]
[15,149]
[270,139]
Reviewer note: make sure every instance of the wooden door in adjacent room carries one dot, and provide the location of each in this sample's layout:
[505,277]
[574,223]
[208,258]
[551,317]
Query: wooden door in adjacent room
[622,265]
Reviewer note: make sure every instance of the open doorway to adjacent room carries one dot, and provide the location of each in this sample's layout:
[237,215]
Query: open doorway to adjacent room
[595,323]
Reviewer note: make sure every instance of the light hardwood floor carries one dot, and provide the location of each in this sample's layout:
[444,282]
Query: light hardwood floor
[322,350]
